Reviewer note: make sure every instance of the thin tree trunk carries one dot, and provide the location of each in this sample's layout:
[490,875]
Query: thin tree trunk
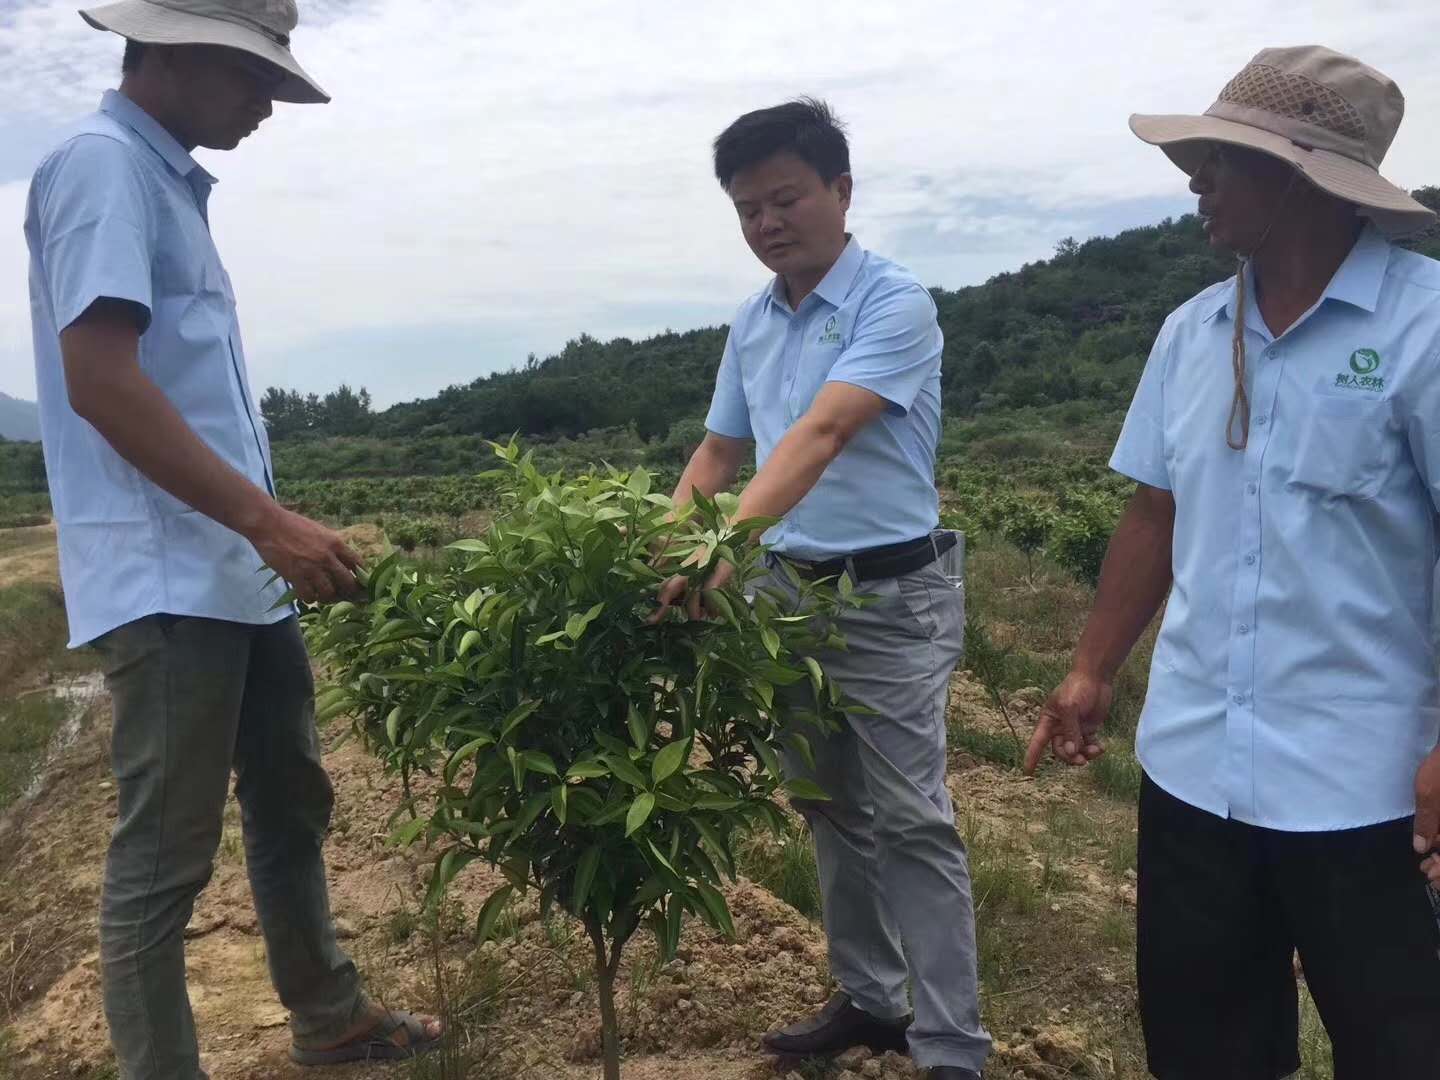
[605,970]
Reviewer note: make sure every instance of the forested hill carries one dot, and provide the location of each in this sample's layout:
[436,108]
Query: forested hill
[1077,326]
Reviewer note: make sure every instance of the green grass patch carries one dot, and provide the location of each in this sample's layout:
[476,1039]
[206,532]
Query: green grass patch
[1116,931]
[32,626]
[785,865]
[1122,855]
[26,727]
[995,747]
[1117,772]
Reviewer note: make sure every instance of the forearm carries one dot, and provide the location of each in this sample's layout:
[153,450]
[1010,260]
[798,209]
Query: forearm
[145,429]
[707,471]
[1134,581]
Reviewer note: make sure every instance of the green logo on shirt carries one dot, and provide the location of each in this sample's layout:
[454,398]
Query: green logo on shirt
[1364,361]
[831,336]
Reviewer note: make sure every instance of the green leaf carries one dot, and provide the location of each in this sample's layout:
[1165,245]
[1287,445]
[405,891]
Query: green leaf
[490,913]
[459,757]
[518,715]
[772,642]
[575,626]
[392,724]
[468,642]
[806,789]
[674,918]
[639,728]
[717,845]
[560,802]
[625,769]
[537,761]
[817,676]
[585,877]
[640,811]
[803,748]
[451,863]
[718,910]
[588,769]
[718,602]
[766,753]
[668,761]
[407,833]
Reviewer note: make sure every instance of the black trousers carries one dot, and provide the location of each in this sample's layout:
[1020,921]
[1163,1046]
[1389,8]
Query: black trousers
[1223,907]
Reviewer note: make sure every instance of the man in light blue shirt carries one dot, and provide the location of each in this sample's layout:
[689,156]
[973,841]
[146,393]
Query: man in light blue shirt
[1286,441]
[163,494]
[832,372]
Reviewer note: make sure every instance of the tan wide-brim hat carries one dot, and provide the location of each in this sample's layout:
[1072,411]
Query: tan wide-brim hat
[259,27]
[1325,113]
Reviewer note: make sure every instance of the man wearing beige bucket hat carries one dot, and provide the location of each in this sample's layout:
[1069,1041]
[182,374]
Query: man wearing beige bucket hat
[1285,438]
[162,487]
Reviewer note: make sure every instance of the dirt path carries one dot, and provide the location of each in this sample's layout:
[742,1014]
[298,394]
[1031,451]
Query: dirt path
[701,1017]
[29,555]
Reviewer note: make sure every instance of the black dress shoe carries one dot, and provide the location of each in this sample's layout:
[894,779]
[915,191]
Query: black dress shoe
[835,1029]
[953,1072]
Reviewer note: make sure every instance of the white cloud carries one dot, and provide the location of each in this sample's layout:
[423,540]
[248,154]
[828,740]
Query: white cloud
[530,171]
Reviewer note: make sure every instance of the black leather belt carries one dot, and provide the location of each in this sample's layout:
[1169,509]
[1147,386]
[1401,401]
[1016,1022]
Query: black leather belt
[891,561]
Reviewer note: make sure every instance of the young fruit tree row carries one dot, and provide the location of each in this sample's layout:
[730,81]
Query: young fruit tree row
[607,763]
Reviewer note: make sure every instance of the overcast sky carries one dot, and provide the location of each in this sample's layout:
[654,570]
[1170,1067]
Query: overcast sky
[494,178]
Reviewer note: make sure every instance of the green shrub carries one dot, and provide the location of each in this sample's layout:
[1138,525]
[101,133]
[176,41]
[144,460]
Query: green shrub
[1082,534]
[609,763]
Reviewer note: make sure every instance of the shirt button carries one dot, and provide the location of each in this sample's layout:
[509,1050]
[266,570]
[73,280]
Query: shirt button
[1250,489]
[1262,420]
[1250,559]
[1244,629]
[1239,699]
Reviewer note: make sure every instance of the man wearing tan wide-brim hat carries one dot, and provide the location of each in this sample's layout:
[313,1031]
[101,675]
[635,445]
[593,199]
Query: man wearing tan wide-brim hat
[1285,439]
[163,493]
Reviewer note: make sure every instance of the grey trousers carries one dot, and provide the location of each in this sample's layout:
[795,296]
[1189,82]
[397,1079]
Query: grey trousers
[893,870]
[194,699]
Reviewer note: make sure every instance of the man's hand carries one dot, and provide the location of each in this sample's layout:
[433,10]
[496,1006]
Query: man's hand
[1070,721]
[1427,816]
[677,590]
[317,563]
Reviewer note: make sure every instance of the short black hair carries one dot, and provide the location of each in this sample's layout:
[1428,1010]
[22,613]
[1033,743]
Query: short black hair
[806,127]
[134,53]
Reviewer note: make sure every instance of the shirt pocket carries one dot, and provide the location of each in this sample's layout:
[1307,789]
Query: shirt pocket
[1344,448]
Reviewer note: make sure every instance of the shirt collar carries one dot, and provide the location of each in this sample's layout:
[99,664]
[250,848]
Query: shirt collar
[121,108]
[836,283]
[1357,282]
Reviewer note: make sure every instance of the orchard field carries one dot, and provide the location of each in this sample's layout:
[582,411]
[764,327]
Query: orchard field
[1053,858]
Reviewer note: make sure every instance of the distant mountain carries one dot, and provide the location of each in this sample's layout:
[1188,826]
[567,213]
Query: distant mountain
[19,420]
[1074,327]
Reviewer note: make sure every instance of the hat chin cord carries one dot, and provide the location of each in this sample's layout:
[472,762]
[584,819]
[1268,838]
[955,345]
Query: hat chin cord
[1237,428]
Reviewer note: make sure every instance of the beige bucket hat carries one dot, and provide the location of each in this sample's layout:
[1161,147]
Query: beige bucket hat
[259,27]
[1327,114]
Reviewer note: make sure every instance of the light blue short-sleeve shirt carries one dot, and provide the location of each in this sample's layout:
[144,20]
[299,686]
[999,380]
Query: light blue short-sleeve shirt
[1294,681]
[119,211]
[868,323]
